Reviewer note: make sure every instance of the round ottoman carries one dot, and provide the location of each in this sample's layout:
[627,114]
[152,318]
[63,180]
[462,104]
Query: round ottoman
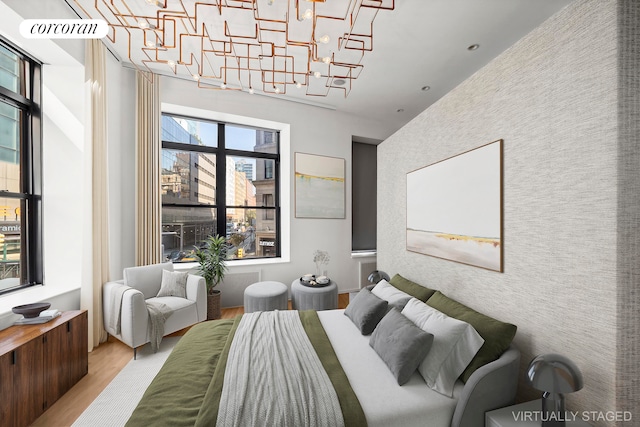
[266,296]
[314,298]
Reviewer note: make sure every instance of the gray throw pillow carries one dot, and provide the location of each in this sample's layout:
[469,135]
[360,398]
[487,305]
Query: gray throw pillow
[366,310]
[400,344]
[174,284]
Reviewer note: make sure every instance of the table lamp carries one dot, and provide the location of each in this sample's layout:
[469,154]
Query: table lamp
[377,275]
[555,375]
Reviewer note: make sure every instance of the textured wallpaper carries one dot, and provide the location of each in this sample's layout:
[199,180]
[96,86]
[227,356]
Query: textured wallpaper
[565,101]
[628,361]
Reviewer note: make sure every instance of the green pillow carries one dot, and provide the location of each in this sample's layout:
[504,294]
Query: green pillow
[411,288]
[497,335]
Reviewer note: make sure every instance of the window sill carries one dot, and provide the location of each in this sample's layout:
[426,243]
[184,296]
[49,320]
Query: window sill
[189,266]
[27,296]
[364,254]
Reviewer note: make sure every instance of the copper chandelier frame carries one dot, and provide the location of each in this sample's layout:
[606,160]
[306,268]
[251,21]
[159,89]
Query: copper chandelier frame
[248,45]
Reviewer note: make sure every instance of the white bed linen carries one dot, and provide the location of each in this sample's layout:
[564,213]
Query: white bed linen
[383,401]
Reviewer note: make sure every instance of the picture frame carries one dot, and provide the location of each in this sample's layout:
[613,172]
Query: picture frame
[319,186]
[454,208]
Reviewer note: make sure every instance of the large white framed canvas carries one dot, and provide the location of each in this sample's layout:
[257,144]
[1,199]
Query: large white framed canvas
[454,208]
[319,186]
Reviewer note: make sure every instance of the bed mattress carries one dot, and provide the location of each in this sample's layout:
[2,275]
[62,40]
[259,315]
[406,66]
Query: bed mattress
[384,402]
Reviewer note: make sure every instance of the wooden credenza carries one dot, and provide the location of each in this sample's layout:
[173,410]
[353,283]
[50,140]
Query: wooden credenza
[39,363]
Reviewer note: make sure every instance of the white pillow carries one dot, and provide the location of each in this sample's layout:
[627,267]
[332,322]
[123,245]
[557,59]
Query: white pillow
[455,343]
[174,283]
[386,291]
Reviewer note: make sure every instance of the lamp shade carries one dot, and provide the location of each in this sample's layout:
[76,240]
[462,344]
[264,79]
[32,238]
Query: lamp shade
[554,373]
[377,276]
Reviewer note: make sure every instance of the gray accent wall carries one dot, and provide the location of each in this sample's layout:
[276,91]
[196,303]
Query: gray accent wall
[628,232]
[565,101]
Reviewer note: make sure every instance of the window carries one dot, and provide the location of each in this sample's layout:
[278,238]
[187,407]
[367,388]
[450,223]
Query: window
[219,178]
[20,170]
[363,202]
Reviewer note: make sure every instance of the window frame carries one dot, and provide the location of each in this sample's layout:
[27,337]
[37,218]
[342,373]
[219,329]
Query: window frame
[30,194]
[221,153]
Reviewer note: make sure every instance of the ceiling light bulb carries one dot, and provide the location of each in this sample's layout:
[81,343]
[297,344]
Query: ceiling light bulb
[251,91]
[223,85]
[143,24]
[298,85]
[425,88]
[308,14]
[149,43]
[317,74]
[326,59]
[277,90]
[270,2]
[171,63]
[196,77]
[324,39]
[473,47]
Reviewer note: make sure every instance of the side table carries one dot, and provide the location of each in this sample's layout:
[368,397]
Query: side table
[314,297]
[527,414]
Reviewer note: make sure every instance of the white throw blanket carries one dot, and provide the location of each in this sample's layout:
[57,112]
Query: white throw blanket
[115,307]
[158,313]
[274,376]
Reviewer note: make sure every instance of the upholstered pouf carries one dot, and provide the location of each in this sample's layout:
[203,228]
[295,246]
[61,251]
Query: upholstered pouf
[314,297]
[266,296]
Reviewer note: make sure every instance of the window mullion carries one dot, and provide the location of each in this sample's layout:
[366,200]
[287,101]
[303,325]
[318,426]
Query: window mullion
[221,182]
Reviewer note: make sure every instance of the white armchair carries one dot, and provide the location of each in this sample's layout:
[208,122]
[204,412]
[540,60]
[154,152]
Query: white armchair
[144,283]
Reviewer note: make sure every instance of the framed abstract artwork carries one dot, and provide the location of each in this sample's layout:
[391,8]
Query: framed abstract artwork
[319,186]
[454,208]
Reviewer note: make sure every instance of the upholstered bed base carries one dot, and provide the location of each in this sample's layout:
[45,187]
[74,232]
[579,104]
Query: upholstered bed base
[490,387]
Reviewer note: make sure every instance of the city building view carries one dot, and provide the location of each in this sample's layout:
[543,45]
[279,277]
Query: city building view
[189,185]
[10,121]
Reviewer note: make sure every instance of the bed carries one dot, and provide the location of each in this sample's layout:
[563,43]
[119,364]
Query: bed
[184,391]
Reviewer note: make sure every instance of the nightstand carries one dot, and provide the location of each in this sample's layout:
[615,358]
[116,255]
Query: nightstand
[526,414]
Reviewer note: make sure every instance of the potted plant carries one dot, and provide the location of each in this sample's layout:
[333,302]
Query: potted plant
[212,258]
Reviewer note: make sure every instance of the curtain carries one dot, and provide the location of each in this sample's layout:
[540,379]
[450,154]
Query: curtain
[96,134]
[148,221]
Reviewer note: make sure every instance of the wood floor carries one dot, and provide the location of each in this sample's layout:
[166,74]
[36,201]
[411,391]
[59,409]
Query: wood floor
[105,362]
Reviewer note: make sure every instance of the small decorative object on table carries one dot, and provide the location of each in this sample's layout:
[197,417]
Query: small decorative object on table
[321,258]
[35,313]
[31,310]
[314,281]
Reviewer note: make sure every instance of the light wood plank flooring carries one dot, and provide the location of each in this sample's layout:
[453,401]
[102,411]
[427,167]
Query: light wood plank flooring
[105,362]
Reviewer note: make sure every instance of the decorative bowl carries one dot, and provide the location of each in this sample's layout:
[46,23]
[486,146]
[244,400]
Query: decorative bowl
[322,280]
[31,310]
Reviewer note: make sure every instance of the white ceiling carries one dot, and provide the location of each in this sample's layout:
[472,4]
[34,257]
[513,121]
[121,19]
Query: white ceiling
[420,43]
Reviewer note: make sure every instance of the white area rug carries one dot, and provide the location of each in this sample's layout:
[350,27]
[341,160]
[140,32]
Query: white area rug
[116,403]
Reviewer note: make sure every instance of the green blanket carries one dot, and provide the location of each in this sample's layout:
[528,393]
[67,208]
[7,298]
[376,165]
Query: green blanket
[187,389]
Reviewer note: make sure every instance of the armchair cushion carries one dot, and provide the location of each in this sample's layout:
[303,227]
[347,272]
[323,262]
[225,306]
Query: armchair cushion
[174,283]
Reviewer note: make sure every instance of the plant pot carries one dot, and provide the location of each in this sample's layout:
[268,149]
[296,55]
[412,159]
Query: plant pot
[213,306]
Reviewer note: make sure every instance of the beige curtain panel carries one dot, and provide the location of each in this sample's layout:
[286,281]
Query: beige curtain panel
[148,221]
[96,134]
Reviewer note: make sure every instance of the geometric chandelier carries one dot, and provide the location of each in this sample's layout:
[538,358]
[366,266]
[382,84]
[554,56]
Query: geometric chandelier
[270,46]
